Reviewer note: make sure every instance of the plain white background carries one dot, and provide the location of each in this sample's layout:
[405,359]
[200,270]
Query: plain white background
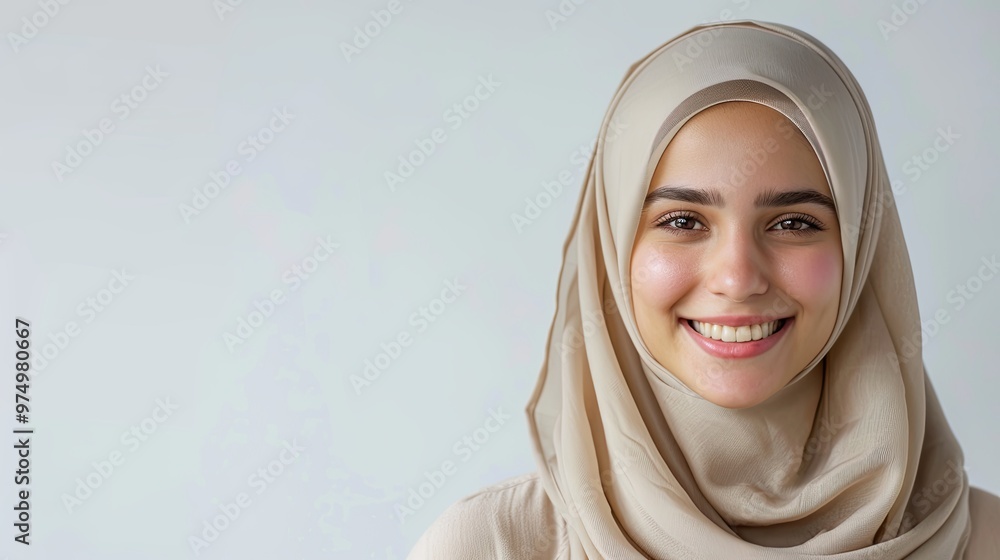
[311,217]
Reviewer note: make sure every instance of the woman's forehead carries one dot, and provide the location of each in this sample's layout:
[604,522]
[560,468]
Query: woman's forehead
[739,146]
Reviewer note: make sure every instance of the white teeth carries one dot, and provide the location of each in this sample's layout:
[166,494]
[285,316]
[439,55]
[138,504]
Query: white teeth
[728,334]
[742,334]
[736,334]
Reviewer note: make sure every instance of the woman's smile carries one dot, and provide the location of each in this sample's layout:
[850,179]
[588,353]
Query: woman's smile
[733,342]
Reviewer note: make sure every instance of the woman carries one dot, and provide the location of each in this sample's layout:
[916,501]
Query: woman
[722,377]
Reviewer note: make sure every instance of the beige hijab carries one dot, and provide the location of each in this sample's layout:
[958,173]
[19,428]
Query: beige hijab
[853,459]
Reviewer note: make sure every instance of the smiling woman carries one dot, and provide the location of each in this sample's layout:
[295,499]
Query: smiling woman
[723,376]
[713,258]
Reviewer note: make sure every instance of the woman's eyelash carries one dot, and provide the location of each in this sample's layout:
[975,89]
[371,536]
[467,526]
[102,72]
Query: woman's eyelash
[813,223]
[664,222]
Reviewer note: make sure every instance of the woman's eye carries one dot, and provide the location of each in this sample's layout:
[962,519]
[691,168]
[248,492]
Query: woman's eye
[794,224]
[682,223]
[679,222]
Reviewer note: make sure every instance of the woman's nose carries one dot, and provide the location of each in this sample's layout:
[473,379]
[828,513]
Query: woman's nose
[736,267]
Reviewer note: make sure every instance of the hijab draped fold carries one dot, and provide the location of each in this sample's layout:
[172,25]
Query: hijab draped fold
[852,459]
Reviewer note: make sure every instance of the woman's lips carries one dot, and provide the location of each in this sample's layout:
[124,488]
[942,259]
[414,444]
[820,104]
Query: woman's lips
[734,350]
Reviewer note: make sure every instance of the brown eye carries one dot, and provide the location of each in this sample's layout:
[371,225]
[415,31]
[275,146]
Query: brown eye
[800,223]
[791,224]
[679,221]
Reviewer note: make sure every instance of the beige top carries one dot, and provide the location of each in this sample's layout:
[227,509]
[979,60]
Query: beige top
[514,520]
[633,464]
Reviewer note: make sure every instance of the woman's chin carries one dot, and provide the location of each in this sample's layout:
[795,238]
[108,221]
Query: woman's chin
[735,401]
[737,389]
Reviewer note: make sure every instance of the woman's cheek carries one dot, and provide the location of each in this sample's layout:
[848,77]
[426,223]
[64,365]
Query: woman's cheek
[660,278]
[815,276]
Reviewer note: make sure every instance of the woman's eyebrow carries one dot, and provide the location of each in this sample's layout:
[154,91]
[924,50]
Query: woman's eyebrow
[774,198]
[711,197]
[704,197]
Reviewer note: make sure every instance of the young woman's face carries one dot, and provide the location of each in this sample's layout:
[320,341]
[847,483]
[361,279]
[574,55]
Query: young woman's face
[738,238]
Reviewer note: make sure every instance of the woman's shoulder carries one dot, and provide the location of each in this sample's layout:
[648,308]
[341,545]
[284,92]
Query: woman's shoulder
[984,509]
[511,519]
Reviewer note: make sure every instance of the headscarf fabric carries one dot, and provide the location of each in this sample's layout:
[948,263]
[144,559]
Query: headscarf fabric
[852,459]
